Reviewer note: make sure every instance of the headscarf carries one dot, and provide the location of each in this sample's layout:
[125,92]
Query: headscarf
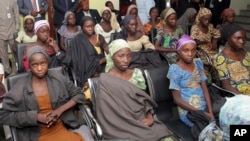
[37,49]
[41,23]
[226,12]
[166,12]
[183,20]
[139,23]
[229,30]
[127,19]
[113,21]
[184,40]
[67,14]
[29,17]
[202,12]
[114,47]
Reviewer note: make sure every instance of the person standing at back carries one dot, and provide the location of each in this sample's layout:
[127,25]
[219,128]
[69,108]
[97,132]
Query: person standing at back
[9,25]
[144,7]
[35,8]
[61,7]
[117,12]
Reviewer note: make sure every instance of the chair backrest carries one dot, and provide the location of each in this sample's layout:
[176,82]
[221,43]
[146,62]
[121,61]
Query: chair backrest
[19,56]
[13,79]
[158,85]
[152,35]
[93,84]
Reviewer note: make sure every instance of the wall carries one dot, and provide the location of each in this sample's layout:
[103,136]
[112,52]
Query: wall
[99,4]
[238,5]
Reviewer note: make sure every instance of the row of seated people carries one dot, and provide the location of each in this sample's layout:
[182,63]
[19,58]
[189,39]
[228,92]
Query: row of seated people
[140,42]
[120,97]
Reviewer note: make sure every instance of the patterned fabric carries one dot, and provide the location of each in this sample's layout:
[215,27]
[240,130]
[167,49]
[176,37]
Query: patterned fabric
[212,33]
[189,86]
[169,40]
[138,79]
[202,12]
[237,71]
[211,133]
[148,27]
[235,111]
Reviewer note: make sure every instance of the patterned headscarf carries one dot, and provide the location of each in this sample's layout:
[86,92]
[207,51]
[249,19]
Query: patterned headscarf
[184,40]
[114,46]
[226,12]
[202,12]
[113,21]
[67,14]
[41,23]
[166,12]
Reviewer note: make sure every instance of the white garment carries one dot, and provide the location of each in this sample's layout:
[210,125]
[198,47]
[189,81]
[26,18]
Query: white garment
[144,8]
[106,35]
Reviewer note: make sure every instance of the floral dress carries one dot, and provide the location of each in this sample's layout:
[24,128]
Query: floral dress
[169,40]
[237,71]
[138,79]
[188,84]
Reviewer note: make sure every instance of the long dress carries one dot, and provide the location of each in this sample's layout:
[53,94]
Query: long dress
[58,131]
[189,86]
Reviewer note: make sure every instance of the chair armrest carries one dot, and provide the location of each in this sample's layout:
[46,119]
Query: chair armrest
[13,133]
[228,93]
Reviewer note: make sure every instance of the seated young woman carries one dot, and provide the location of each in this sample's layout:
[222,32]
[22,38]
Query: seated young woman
[42,30]
[188,81]
[233,63]
[123,109]
[40,105]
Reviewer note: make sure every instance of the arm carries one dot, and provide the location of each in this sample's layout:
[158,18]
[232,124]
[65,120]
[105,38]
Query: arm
[177,99]
[207,97]
[62,45]
[16,14]
[226,85]
[22,10]
[161,49]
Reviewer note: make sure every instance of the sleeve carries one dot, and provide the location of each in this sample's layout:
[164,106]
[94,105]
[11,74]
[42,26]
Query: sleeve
[1,69]
[20,36]
[16,14]
[98,29]
[146,43]
[159,33]
[220,64]
[215,32]
[200,68]
[174,77]
[22,11]
[61,31]
[140,79]
[14,112]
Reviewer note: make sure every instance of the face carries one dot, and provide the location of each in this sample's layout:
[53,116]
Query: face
[171,20]
[230,18]
[106,15]
[131,26]
[187,53]
[110,5]
[38,65]
[191,18]
[133,12]
[205,20]
[154,13]
[84,5]
[237,40]
[88,27]
[71,20]
[122,59]
[29,25]
[43,33]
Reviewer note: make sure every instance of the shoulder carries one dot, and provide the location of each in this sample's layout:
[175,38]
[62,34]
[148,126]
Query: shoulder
[198,63]
[220,59]
[174,72]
